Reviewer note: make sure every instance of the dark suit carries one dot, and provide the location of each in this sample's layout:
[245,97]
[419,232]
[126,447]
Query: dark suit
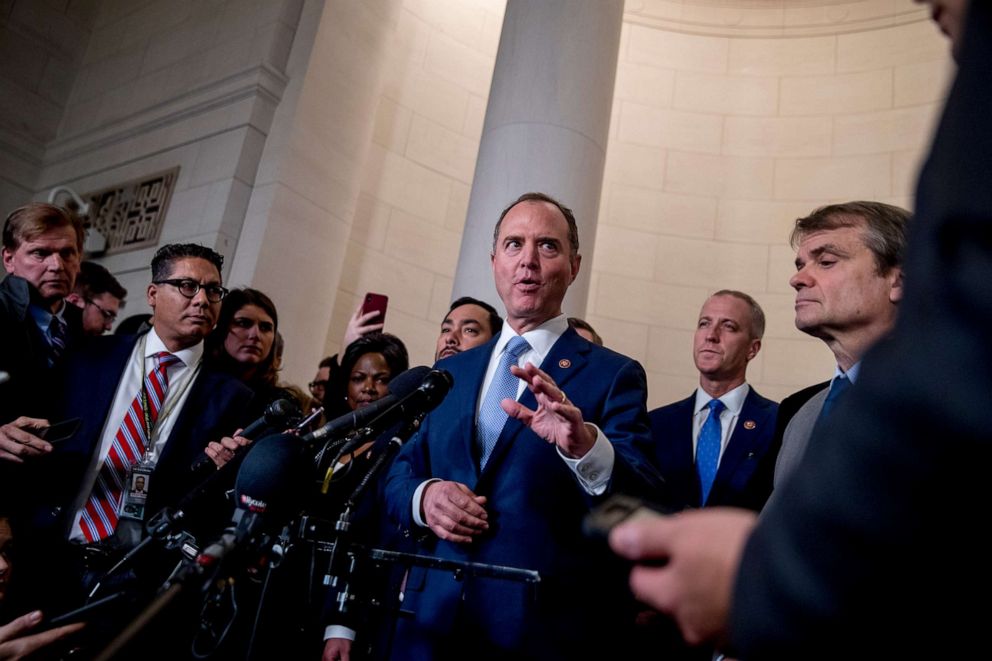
[214,407]
[535,508]
[874,548]
[749,443]
[764,474]
[24,351]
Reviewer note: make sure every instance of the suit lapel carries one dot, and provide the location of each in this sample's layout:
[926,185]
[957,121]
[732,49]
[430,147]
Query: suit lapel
[566,359]
[741,445]
[468,378]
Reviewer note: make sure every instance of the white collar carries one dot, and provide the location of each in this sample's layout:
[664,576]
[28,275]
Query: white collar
[732,399]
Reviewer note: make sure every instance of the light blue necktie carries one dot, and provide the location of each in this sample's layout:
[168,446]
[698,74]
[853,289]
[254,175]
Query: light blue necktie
[708,448]
[839,386]
[504,385]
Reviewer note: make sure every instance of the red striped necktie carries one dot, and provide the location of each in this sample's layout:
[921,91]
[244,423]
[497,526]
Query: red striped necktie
[99,516]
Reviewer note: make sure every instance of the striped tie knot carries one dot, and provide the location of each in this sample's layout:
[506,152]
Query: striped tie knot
[57,334]
[164,359]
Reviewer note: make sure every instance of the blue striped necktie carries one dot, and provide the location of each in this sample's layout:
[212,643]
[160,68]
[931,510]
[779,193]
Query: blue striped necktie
[504,385]
[57,335]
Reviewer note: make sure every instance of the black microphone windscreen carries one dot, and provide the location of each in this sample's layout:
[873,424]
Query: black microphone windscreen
[407,381]
[268,473]
[281,410]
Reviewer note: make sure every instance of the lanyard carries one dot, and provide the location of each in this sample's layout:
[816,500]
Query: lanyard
[173,395]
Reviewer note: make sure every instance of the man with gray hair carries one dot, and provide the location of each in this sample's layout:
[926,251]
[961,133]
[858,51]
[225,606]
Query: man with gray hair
[848,283]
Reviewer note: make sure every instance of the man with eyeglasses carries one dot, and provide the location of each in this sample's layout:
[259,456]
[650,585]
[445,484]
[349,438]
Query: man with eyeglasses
[148,406]
[99,295]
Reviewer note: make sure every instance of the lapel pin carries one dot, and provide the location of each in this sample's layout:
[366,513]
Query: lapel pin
[564,363]
[749,424]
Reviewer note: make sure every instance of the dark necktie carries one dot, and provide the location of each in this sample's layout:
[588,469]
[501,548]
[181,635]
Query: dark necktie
[838,387]
[57,335]
[708,448]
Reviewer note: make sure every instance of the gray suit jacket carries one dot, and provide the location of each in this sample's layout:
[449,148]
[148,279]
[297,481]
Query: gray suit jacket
[796,437]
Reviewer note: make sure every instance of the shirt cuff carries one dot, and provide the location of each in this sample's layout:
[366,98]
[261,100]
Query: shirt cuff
[418,496]
[595,469]
[338,631]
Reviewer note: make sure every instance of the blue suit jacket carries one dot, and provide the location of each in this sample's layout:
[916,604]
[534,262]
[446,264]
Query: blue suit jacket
[535,507]
[734,484]
[215,407]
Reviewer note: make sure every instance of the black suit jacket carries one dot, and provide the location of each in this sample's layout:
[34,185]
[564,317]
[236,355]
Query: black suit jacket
[873,550]
[749,445]
[24,351]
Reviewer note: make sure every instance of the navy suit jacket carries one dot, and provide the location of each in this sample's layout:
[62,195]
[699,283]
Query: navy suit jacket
[734,484]
[215,407]
[535,508]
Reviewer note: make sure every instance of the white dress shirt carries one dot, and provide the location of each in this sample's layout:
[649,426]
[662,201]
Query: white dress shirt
[594,470]
[733,402]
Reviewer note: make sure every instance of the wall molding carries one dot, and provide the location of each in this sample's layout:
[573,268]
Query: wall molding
[262,82]
[736,24]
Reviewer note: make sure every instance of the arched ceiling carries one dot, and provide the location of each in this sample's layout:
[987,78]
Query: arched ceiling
[772,18]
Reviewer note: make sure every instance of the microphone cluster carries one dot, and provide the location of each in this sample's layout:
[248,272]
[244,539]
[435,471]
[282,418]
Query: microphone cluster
[268,477]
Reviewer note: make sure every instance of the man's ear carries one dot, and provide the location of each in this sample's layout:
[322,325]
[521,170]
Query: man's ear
[575,263]
[151,294]
[76,300]
[895,285]
[753,350]
[8,260]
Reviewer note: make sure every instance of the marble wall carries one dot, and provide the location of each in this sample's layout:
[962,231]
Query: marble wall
[327,148]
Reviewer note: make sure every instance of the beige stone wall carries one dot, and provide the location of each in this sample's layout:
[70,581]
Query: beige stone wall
[161,84]
[415,187]
[729,121]
[728,125]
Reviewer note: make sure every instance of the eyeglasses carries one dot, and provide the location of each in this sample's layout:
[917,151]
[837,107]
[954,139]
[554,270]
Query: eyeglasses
[189,288]
[108,315]
[313,385]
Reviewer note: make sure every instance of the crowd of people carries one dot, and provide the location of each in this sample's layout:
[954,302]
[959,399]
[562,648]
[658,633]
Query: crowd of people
[802,529]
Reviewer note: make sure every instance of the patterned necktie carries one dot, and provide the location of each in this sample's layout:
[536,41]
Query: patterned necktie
[708,448]
[98,519]
[839,386]
[56,340]
[504,385]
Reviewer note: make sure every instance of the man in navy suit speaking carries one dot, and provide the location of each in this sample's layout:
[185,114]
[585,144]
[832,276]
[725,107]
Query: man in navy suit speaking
[540,426]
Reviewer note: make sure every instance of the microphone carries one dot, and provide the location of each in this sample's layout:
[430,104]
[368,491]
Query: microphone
[264,486]
[279,413]
[399,387]
[433,388]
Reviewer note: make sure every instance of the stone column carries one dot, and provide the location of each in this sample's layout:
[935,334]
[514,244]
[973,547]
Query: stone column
[546,127]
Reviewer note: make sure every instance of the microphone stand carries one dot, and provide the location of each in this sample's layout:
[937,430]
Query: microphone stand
[164,523]
[340,576]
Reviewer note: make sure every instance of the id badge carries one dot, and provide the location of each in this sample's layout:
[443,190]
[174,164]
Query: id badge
[139,478]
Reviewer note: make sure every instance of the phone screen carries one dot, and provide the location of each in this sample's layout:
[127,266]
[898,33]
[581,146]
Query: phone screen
[60,431]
